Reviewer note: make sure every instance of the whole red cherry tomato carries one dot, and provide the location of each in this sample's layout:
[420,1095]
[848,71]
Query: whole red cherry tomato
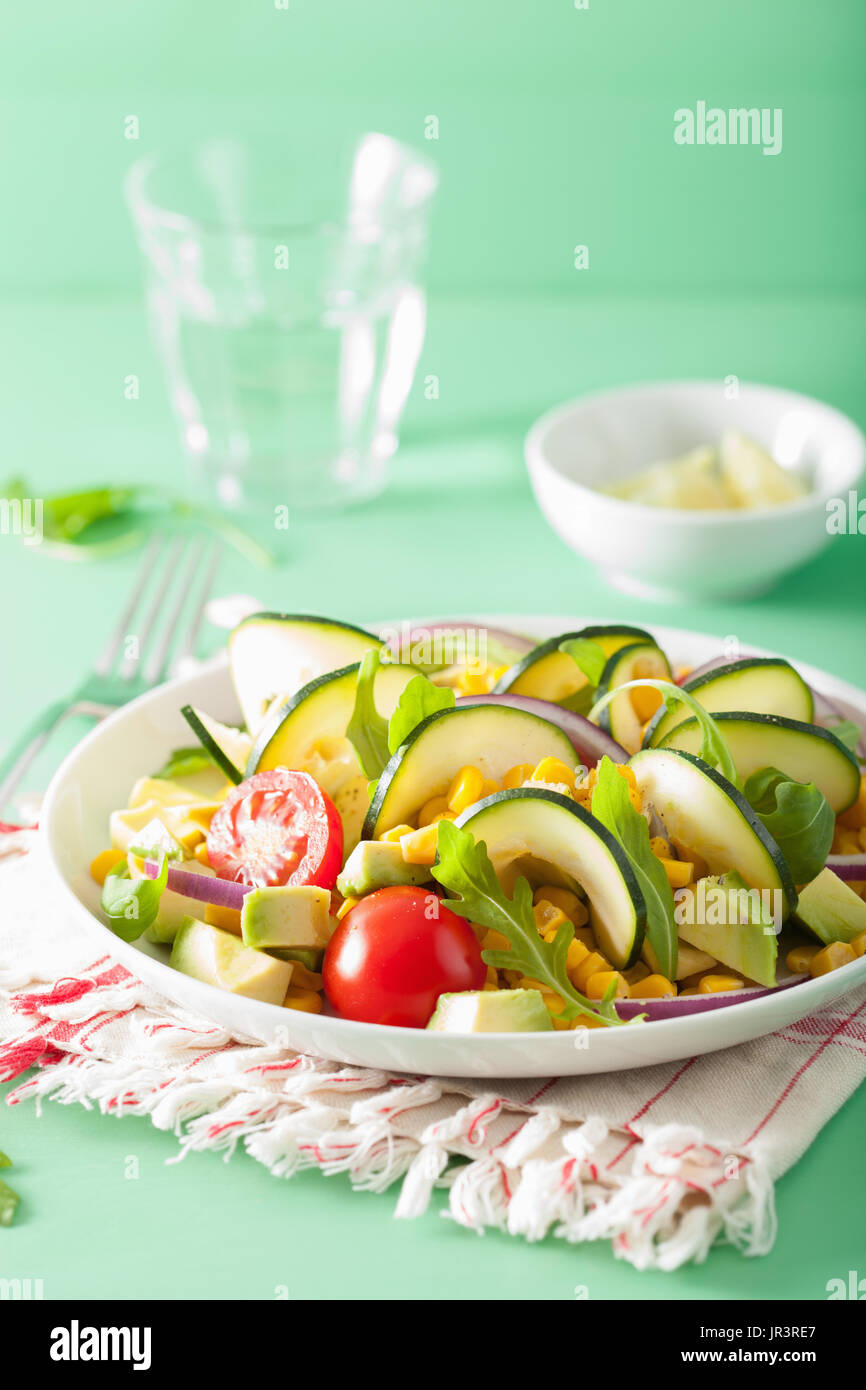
[395,952]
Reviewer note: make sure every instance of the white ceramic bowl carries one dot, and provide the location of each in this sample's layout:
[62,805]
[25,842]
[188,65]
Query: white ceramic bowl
[657,552]
[97,776]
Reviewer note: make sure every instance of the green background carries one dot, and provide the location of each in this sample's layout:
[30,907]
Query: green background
[555,129]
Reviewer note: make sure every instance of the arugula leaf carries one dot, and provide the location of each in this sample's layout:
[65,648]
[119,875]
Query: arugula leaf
[798,818]
[367,731]
[131,905]
[611,804]
[419,699]
[182,762]
[464,869]
[9,1200]
[589,655]
[848,733]
[713,749]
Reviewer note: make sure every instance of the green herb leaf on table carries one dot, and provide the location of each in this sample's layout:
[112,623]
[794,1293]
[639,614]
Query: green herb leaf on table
[5,1160]
[713,750]
[611,804]
[131,904]
[797,816]
[465,870]
[589,655]
[9,1200]
[419,700]
[367,731]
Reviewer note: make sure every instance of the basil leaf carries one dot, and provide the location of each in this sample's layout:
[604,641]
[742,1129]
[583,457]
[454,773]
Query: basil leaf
[182,762]
[9,1200]
[132,904]
[367,731]
[420,699]
[589,656]
[611,804]
[797,816]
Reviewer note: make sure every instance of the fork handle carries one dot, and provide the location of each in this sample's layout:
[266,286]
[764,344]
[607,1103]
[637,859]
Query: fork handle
[25,749]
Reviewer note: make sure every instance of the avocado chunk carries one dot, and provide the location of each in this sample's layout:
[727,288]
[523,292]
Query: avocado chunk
[728,920]
[378,864]
[218,958]
[830,910]
[491,1011]
[286,917]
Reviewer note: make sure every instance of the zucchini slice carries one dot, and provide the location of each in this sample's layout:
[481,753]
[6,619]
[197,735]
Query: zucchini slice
[548,837]
[321,711]
[805,752]
[272,655]
[229,748]
[760,684]
[493,738]
[627,713]
[701,808]
[549,674]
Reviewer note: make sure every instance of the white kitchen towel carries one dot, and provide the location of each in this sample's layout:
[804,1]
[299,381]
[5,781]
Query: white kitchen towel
[662,1162]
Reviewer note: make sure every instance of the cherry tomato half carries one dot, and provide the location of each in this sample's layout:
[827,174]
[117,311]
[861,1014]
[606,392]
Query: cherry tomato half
[277,827]
[393,955]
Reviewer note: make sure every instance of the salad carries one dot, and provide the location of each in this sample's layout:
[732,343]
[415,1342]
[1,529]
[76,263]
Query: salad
[456,829]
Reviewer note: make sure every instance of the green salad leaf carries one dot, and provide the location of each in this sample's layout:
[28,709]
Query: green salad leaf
[367,731]
[611,804]
[590,657]
[797,816]
[131,904]
[848,733]
[420,699]
[182,762]
[464,869]
[713,750]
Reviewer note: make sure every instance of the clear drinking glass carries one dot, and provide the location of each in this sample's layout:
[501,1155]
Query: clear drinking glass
[285,296]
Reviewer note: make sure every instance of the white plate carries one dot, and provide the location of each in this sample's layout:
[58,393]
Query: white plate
[97,776]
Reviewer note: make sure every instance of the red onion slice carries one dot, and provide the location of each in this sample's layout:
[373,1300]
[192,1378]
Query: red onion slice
[848,866]
[205,889]
[590,743]
[658,1009]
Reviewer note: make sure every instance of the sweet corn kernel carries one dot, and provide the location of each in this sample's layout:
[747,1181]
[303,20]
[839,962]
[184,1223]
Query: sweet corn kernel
[684,851]
[200,853]
[589,966]
[564,899]
[465,788]
[693,989]
[104,863]
[392,836]
[858,945]
[302,978]
[475,682]
[575,956]
[586,935]
[547,917]
[718,984]
[526,982]
[645,702]
[855,817]
[346,906]
[554,770]
[845,841]
[660,847]
[419,846]
[652,987]
[628,773]
[489,787]
[492,981]
[307,1000]
[495,941]
[637,972]
[831,957]
[553,1003]
[436,806]
[598,984]
[516,776]
[229,918]
[586,1021]
[799,958]
[679,872]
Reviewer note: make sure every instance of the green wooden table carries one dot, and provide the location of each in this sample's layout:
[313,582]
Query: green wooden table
[457,530]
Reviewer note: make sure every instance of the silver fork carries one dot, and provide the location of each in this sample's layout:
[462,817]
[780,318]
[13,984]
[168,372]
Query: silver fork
[119,675]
